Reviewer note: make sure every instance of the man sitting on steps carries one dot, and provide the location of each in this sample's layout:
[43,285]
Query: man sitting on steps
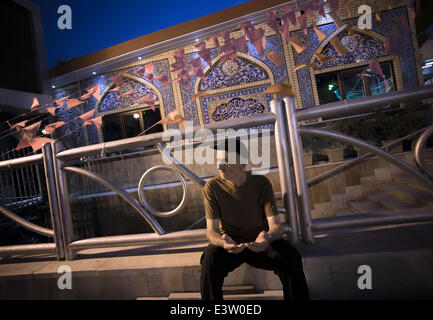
[243,226]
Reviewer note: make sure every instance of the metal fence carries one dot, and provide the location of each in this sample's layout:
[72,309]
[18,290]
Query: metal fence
[293,181]
[20,188]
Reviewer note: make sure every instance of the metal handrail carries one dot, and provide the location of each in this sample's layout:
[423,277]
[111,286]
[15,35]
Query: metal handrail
[351,163]
[146,204]
[290,118]
[121,192]
[20,162]
[196,179]
[370,147]
[26,224]
[419,148]
[361,105]
[152,139]
[140,239]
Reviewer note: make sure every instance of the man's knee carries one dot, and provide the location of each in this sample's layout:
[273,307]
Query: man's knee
[291,259]
[210,256]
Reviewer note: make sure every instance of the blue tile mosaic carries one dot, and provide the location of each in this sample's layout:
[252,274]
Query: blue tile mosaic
[408,65]
[72,134]
[244,72]
[311,41]
[231,95]
[114,100]
[218,78]
[279,72]
[239,102]
[237,108]
[367,49]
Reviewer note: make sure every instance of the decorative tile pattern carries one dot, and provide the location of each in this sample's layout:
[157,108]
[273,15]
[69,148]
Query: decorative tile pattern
[407,61]
[234,99]
[247,72]
[279,72]
[115,100]
[365,49]
[312,42]
[166,92]
[71,135]
[237,108]
[90,104]
[190,106]
[211,103]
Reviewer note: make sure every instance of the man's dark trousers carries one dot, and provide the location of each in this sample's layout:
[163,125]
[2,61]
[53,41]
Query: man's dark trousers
[280,256]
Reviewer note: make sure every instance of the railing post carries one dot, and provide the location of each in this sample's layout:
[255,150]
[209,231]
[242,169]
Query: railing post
[283,158]
[63,200]
[50,178]
[299,168]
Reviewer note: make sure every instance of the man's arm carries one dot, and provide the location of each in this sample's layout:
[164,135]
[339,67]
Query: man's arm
[212,232]
[276,230]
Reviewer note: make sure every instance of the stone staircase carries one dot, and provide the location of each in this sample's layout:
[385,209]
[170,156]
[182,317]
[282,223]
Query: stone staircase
[245,292]
[389,191]
[402,193]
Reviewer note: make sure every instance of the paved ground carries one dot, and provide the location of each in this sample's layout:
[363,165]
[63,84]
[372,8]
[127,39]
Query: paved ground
[400,257]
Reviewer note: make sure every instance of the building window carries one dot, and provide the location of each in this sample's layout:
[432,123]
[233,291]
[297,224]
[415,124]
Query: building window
[130,124]
[354,83]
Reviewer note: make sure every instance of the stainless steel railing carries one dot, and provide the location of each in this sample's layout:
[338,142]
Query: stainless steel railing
[294,184]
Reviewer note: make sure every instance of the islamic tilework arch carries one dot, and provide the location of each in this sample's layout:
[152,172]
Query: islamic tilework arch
[115,102]
[235,88]
[112,102]
[232,73]
[363,46]
[366,45]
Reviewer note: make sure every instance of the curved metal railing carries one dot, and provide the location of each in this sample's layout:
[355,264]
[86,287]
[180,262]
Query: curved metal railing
[294,184]
[372,149]
[121,192]
[419,151]
[351,163]
[26,224]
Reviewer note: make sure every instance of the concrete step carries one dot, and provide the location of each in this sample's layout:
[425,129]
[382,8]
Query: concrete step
[364,206]
[399,256]
[129,272]
[389,202]
[408,193]
[228,291]
[411,181]
[248,289]
[266,295]
[344,212]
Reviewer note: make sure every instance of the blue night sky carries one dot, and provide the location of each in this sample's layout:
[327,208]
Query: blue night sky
[98,24]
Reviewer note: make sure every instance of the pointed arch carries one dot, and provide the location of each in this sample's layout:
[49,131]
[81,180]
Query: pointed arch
[202,110]
[260,64]
[144,82]
[374,35]
[270,79]
[369,33]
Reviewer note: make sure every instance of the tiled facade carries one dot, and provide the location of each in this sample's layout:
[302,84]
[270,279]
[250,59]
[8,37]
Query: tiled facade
[236,88]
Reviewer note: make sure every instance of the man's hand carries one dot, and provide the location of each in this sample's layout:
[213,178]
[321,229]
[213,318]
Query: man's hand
[230,245]
[261,243]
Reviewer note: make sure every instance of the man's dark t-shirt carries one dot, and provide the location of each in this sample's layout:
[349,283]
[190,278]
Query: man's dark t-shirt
[242,210]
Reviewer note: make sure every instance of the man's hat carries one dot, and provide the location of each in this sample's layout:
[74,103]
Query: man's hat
[232,145]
